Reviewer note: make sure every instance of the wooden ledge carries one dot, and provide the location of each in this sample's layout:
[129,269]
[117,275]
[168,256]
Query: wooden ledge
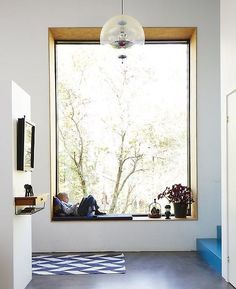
[93,33]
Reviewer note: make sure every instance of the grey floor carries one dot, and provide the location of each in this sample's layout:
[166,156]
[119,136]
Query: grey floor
[159,270]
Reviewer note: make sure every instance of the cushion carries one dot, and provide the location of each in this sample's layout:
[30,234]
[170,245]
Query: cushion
[57,207]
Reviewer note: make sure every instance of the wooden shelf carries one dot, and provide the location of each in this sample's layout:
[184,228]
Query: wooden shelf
[29,205]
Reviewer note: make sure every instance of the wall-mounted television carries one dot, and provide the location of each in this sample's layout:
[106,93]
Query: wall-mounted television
[25,144]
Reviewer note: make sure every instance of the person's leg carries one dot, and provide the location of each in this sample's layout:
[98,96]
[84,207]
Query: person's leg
[96,207]
[87,206]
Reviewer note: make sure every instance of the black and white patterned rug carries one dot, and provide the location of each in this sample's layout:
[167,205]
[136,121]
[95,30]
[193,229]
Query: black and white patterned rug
[79,264]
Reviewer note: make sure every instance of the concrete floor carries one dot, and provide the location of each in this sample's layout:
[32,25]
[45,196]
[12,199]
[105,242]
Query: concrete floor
[145,270]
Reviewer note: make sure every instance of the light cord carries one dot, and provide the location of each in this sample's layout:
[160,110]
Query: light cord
[122,7]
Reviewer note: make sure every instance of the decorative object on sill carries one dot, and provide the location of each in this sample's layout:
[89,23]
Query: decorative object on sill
[180,196]
[122,31]
[105,263]
[28,190]
[167,212]
[154,210]
[180,210]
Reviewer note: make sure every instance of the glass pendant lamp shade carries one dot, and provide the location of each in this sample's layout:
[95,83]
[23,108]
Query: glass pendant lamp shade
[122,31]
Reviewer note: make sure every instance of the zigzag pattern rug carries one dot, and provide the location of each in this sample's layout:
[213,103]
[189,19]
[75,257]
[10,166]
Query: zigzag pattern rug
[79,264]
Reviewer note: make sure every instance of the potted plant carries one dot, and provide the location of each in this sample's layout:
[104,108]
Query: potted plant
[180,196]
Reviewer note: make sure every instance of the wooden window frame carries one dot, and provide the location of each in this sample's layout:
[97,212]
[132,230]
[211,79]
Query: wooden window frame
[151,34]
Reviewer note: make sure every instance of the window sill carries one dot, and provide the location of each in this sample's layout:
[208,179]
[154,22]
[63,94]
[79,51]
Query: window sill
[121,218]
[188,218]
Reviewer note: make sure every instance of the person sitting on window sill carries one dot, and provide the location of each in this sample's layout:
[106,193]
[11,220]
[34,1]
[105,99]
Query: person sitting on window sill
[86,208]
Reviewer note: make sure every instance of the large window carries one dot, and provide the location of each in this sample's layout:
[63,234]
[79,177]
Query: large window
[123,126]
[123,131]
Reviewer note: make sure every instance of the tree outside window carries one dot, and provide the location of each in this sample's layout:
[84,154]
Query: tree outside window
[122,128]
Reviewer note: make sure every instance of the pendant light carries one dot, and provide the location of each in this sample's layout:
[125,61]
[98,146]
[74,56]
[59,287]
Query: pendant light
[122,31]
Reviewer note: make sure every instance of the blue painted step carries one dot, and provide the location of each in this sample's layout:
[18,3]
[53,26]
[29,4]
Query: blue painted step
[210,251]
[218,229]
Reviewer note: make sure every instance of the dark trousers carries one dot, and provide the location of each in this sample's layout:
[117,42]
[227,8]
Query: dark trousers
[87,206]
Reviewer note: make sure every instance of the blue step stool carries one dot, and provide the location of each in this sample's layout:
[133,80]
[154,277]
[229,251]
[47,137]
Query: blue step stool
[218,229]
[210,250]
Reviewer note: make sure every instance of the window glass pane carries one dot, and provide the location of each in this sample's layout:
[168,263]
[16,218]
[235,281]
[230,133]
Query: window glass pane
[122,128]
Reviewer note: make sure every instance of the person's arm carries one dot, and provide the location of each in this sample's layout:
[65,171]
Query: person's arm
[69,209]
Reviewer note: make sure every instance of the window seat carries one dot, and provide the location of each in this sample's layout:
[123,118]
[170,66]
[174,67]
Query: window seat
[108,217]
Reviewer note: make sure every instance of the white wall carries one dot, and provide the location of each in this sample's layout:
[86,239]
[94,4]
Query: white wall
[26,60]
[15,241]
[6,207]
[228,84]
[22,237]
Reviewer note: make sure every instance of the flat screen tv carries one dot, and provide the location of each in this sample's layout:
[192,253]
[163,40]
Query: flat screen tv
[25,144]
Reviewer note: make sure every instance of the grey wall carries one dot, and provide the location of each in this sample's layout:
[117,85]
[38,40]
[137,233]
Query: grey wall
[24,25]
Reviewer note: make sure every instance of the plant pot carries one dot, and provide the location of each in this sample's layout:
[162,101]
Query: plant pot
[180,210]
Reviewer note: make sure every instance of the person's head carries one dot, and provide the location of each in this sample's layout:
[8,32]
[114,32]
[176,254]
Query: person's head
[63,197]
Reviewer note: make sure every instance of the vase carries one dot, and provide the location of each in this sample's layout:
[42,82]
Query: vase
[154,210]
[180,210]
